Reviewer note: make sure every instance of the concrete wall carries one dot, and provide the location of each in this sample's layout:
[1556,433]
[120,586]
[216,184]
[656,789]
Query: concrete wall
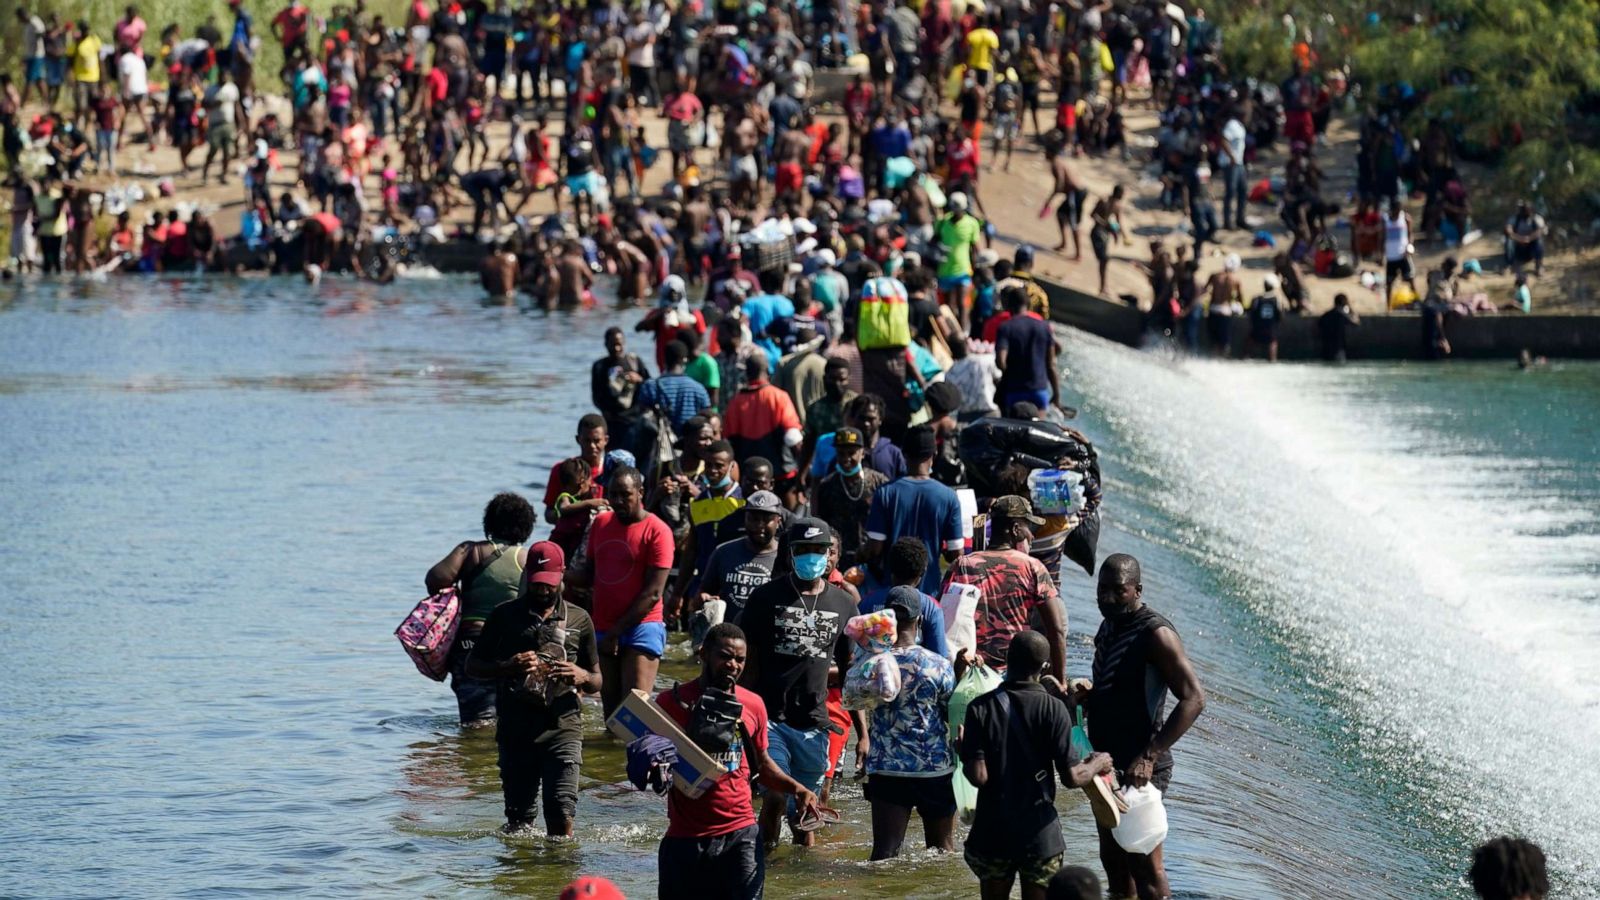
[1394,336]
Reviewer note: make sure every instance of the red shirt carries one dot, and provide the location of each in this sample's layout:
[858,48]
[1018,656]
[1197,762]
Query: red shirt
[726,807]
[438,85]
[293,22]
[568,530]
[756,419]
[622,554]
[665,335]
[991,328]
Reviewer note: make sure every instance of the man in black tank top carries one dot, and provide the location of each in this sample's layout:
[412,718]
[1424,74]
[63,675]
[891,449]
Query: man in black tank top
[1138,658]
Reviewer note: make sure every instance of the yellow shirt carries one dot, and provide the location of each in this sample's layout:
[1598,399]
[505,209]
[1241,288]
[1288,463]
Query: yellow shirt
[981,45]
[86,59]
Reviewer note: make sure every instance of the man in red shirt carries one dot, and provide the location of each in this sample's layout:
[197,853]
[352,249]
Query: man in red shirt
[761,420]
[291,26]
[629,556]
[713,846]
[569,521]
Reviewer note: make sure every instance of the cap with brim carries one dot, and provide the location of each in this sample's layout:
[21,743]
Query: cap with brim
[1014,508]
[847,438]
[905,602]
[809,531]
[546,562]
[763,502]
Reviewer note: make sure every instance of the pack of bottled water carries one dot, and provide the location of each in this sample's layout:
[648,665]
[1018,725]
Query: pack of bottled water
[1056,492]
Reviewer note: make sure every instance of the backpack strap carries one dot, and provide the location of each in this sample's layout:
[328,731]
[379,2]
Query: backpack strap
[1014,726]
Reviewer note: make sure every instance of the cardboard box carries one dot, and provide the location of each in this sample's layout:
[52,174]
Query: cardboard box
[696,770]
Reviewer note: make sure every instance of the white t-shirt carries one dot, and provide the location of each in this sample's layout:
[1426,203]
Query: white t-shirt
[1233,135]
[223,96]
[33,37]
[643,55]
[134,75]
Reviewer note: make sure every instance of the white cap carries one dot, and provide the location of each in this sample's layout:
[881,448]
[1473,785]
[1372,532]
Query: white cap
[804,226]
[826,257]
[673,289]
[1231,264]
[1270,282]
[958,201]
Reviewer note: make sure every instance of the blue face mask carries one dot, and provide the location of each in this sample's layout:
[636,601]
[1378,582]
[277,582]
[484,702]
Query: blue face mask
[810,566]
[851,472]
[719,485]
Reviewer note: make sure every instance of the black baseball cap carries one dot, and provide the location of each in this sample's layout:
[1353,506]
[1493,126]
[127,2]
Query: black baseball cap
[905,602]
[810,532]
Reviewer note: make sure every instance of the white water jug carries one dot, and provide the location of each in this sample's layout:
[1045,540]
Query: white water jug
[1144,825]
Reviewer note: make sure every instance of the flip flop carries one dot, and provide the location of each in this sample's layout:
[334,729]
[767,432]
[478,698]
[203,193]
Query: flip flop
[826,815]
[1103,802]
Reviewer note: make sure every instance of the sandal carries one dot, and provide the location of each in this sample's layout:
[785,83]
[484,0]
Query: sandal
[826,815]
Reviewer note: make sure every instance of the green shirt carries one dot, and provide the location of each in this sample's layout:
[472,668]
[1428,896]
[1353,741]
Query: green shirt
[957,234]
[704,370]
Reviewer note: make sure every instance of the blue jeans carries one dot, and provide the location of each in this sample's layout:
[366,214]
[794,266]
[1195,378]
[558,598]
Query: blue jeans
[1236,193]
[475,697]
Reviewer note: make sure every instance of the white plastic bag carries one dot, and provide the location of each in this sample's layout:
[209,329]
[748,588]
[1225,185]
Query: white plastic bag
[960,605]
[1144,825]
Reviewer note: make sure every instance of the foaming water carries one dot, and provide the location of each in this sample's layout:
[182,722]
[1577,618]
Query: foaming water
[1423,543]
[220,497]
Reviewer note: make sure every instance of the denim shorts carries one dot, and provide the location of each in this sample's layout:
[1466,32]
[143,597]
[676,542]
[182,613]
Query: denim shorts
[802,755]
[649,638]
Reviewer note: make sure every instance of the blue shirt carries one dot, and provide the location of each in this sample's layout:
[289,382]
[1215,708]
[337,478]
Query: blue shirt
[909,734]
[921,508]
[762,311]
[677,395]
[885,458]
[932,636]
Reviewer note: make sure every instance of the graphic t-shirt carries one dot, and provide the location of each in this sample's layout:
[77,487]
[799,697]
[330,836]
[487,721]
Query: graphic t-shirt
[921,508]
[796,638]
[909,736]
[734,572]
[726,807]
[623,553]
[1012,585]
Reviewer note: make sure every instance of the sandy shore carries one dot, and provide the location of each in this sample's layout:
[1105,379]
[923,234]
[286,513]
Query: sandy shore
[1012,201]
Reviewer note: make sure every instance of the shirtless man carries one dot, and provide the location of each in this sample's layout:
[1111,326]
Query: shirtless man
[1106,227]
[1070,212]
[573,277]
[692,230]
[745,170]
[499,275]
[1226,299]
[633,273]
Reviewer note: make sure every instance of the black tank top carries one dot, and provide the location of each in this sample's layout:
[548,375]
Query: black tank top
[1126,708]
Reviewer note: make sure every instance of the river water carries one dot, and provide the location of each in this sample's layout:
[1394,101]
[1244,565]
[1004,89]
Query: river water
[219,497]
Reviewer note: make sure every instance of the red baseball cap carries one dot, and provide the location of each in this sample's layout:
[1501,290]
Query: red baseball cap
[591,887]
[546,563]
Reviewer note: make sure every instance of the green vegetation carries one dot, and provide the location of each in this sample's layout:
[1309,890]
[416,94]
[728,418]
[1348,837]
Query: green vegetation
[1516,79]
[187,15]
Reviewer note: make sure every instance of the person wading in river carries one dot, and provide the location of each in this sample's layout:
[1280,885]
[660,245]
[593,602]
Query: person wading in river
[630,553]
[1134,646]
[487,573]
[712,847]
[540,652]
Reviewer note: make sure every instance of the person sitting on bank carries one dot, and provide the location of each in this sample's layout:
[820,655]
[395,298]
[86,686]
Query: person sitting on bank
[540,652]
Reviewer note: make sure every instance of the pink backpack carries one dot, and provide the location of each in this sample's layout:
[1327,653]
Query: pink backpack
[429,631]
